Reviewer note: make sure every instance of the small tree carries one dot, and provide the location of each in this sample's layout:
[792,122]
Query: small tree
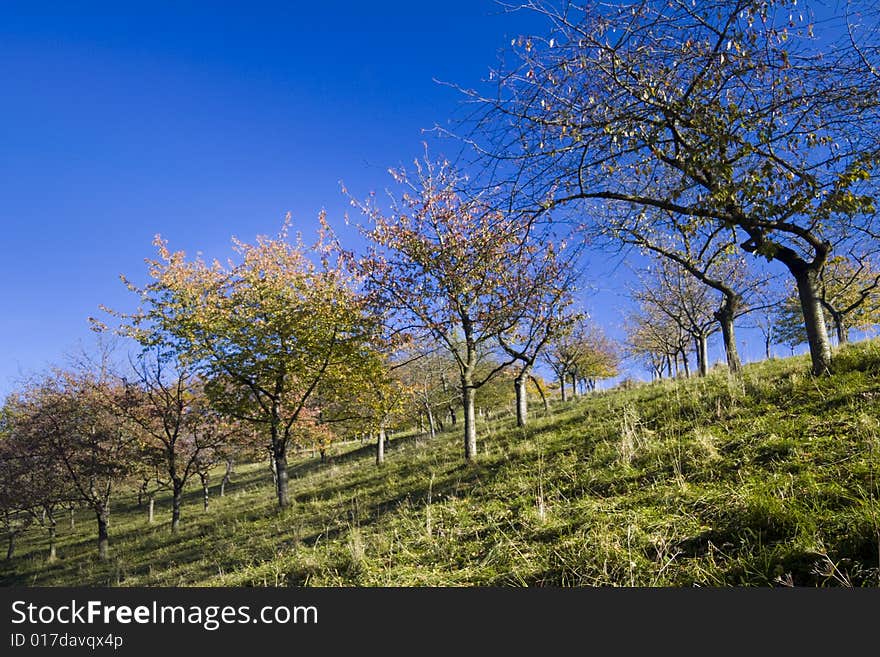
[270,334]
[850,293]
[668,289]
[69,413]
[450,266]
[179,427]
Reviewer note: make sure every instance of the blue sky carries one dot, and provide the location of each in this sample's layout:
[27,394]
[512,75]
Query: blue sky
[201,121]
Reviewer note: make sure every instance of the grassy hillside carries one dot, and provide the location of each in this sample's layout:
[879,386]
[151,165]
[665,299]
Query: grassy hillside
[772,479]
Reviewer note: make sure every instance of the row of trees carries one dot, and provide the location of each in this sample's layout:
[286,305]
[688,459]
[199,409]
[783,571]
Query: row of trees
[697,131]
[674,314]
[290,345]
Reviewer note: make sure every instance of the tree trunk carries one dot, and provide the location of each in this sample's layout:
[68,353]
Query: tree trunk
[281,487]
[840,328]
[470,420]
[151,509]
[72,518]
[273,469]
[380,446]
[452,417]
[562,387]
[702,354]
[430,415]
[724,315]
[203,477]
[227,477]
[541,392]
[522,401]
[53,552]
[814,320]
[10,545]
[103,516]
[574,388]
[176,497]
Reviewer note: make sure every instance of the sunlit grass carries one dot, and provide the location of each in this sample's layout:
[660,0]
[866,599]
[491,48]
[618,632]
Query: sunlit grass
[770,479]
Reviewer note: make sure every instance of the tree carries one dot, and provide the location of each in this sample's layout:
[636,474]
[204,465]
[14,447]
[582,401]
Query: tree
[752,115]
[424,375]
[848,294]
[270,334]
[549,287]
[668,289]
[708,254]
[599,358]
[68,412]
[180,428]
[448,265]
[654,337]
[848,291]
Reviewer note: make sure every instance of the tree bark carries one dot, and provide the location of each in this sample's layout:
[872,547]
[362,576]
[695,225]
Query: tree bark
[53,551]
[203,477]
[103,516]
[152,508]
[281,473]
[431,426]
[574,389]
[227,477]
[10,545]
[72,518]
[724,315]
[470,420]
[522,401]
[380,446]
[176,497]
[840,328]
[814,320]
[562,387]
[702,354]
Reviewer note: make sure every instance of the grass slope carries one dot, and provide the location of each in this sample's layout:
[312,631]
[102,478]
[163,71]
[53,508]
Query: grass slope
[771,479]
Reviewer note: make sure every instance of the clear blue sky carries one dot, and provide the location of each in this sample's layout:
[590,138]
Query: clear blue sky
[120,120]
[200,121]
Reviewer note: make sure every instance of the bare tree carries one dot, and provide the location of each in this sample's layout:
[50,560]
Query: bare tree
[730,113]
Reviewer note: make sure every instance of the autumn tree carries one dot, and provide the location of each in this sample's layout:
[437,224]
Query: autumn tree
[849,298]
[270,333]
[599,357]
[548,281]
[424,375]
[13,505]
[753,115]
[180,429]
[667,289]
[69,413]
[849,291]
[706,252]
[35,482]
[654,338]
[450,266]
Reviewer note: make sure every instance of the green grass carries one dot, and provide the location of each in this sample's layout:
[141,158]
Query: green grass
[767,480]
